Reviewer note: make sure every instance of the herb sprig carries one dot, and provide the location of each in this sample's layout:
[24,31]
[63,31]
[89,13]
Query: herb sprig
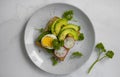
[57,44]
[68,15]
[54,61]
[101,50]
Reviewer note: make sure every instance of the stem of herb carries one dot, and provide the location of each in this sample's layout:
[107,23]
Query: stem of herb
[92,65]
[99,53]
[102,58]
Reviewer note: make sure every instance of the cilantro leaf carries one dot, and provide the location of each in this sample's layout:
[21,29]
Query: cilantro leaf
[76,54]
[81,37]
[68,15]
[42,35]
[62,43]
[110,54]
[56,44]
[50,50]
[54,61]
[101,47]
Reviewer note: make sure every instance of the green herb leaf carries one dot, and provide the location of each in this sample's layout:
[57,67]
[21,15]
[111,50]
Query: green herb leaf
[62,43]
[81,37]
[110,54]
[50,50]
[101,47]
[54,61]
[79,27]
[41,30]
[68,15]
[56,44]
[42,35]
[76,54]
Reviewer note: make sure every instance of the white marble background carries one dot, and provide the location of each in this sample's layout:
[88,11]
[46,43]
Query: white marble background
[14,62]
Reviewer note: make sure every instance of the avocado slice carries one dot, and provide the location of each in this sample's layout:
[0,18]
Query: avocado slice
[53,26]
[75,27]
[65,32]
[60,23]
[49,24]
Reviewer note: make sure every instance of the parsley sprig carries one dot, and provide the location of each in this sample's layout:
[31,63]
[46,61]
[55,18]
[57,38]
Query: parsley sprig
[101,50]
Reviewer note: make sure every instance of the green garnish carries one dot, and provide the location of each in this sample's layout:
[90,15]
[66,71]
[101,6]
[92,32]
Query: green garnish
[40,30]
[68,15]
[61,43]
[101,50]
[101,47]
[54,61]
[110,54]
[57,44]
[42,35]
[81,37]
[76,54]
[50,50]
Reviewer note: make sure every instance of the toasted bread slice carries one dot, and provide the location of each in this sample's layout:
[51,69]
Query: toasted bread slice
[51,21]
[46,29]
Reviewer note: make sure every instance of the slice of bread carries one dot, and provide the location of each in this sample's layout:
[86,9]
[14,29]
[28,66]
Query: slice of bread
[50,22]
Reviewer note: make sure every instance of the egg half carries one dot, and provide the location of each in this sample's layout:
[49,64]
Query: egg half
[46,41]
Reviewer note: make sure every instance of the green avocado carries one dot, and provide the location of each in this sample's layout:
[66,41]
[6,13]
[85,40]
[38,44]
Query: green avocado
[75,27]
[65,32]
[60,23]
[53,25]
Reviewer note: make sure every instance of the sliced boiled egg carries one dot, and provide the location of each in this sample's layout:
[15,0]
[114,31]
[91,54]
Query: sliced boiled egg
[46,41]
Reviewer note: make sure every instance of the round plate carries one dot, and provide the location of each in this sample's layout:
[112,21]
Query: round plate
[41,58]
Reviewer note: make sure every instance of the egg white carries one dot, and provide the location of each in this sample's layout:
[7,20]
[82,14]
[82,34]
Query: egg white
[49,35]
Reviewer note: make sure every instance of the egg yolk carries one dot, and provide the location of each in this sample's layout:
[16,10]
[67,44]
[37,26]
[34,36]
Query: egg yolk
[47,41]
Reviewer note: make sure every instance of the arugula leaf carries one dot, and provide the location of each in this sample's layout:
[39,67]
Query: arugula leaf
[110,54]
[101,47]
[81,37]
[68,15]
[76,54]
[54,61]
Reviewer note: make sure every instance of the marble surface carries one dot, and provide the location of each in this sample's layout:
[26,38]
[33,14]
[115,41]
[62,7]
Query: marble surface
[14,14]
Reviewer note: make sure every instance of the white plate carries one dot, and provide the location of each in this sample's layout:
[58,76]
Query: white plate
[42,59]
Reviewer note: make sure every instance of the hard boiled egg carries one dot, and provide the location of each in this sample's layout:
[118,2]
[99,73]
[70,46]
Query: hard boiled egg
[46,41]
